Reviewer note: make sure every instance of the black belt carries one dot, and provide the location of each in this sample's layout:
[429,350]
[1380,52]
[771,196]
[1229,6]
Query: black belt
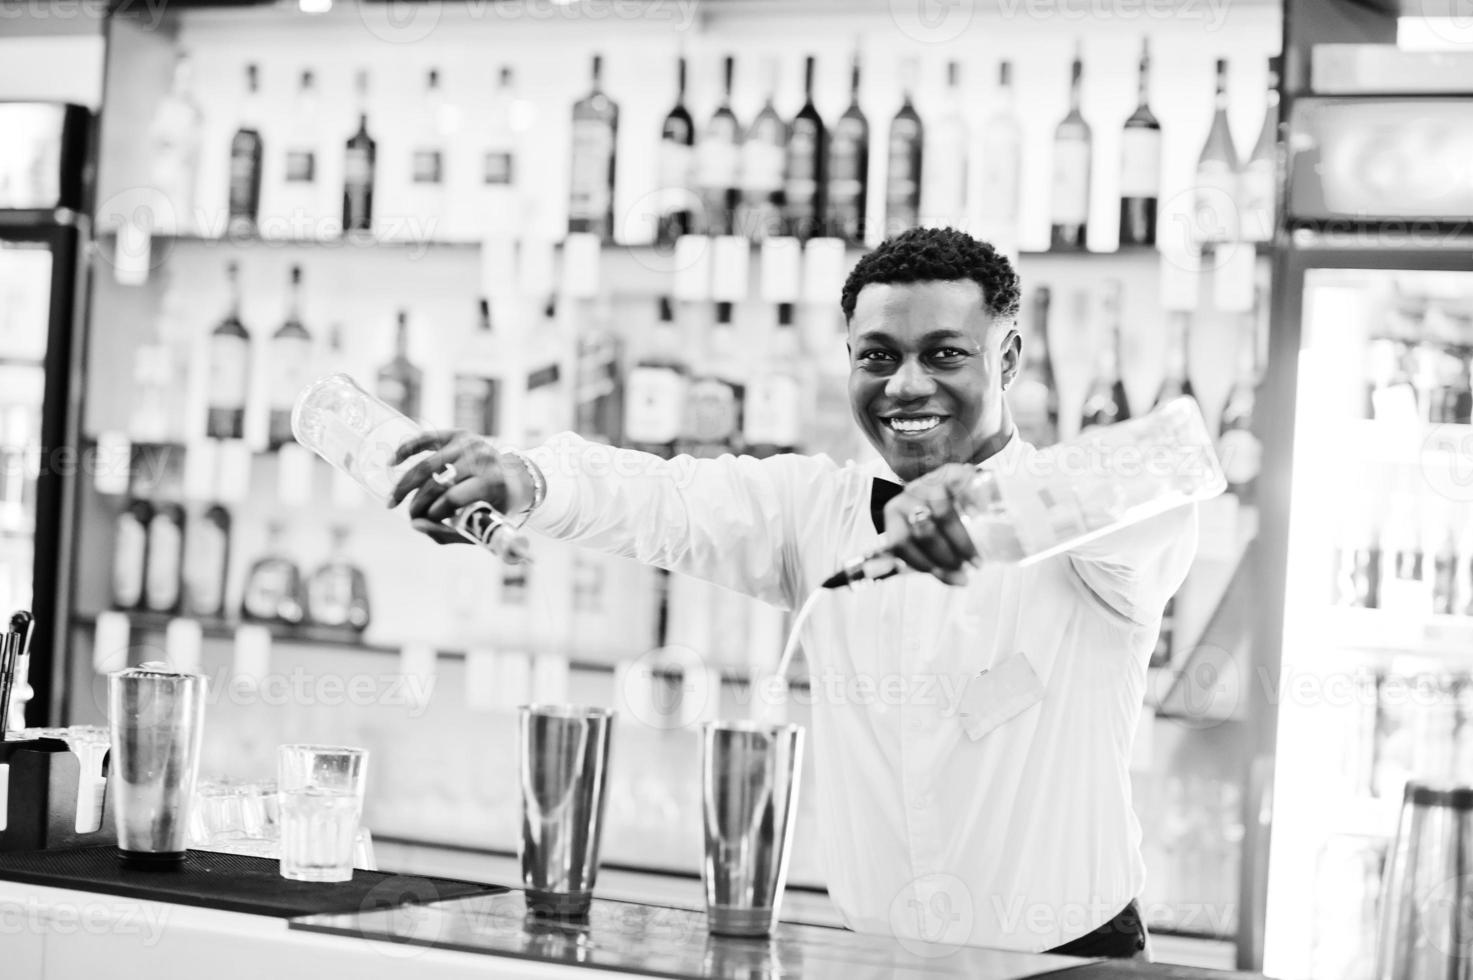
[1121,938]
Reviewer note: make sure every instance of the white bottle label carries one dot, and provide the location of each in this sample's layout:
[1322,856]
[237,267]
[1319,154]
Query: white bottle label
[164,542]
[356,168]
[718,163]
[762,166]
[1258,190]
[1140,163]
[128,555]
[427,166]
[772,410]
[291,370]
[1001,176]
[676,160]
[593,146]
[229,371]
[1216,203]
[654,404]
[301,166]
[499,168]
[204,569]
[1070,192]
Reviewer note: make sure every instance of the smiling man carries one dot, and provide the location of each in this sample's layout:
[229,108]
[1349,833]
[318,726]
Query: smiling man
[987,801]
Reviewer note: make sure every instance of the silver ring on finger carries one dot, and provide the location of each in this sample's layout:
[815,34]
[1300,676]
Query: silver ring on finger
[447,476]
[918,517]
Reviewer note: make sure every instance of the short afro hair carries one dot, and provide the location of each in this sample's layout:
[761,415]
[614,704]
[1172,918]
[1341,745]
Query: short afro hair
[937,254]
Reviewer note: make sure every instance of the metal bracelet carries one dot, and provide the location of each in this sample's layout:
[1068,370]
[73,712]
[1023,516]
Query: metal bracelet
[539,484]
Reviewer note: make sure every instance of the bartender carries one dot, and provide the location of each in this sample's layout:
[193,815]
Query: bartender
[990,803]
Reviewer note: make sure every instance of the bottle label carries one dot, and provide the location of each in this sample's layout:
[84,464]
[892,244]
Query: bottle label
[903,177]
[773,411]
[476,404]
[1001,176]
[762,166]
[1140,163]
[268,588]
[330,594]
[204,569]
[427,166]
[498,168]
[1258,187]
[676,161]
[1216,202]
[357,168]
[593,152]
[128,557]
[1070,190]
[243,174]
[164,541]
[1241,456]
[291,370]
[718,161]
[301,166]
[229,371]
[802,167]
[846,161]
[654,405]
[714,411]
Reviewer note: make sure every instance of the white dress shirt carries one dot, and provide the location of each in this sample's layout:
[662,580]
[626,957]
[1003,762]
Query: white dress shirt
[1023,838]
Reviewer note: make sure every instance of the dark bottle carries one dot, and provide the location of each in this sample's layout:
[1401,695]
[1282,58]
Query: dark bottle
[291,364]
[764,154]
[1104,402]
[719,154]
[478,377]
[130,554]
[273,587]
[1216,203]
[1069,195]
[598,384]
[246,151]
[206,561]
[903,176]
[337,592]
[230,367]
[1034,395]
[773,409]
[807,159]
[595,134]
[1140,164]
[162,581]
[358,168]
[400,380]
[1175,384]
[848,169]
[654,403]
[677,136]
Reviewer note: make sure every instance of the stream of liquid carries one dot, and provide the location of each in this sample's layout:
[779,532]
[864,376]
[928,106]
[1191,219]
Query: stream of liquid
[770,696]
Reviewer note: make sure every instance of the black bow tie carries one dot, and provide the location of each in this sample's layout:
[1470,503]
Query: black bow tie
[881,494]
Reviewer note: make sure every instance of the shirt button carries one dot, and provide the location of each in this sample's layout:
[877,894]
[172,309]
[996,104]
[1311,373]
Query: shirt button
[915,725]
[921,802]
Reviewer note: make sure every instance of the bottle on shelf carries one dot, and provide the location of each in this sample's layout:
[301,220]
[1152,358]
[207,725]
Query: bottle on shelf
[291,364]
[806,165]
[1216,186]
[948,143]
[130,554]
[400,380]
[677,137]
[1175,384]
[774,402]
[1069,193]
[273,586]
[337,592]
[763,157]
[1456,406]
[1140,164]
[478,378]
[427,153]
[230,368]
[1238,448]
[848,169]
[359,166]
[1001,151]
[548,406]
[1034,395]
[654,402]
[246,151]
[598,384]
[162,580]
[498,169]
[1105,402]
[174,144]
[903,175]
[1405,586]
[1358,558]
[1259,183]
[206,562]
[297,199]
[1444,549]
[715,402]
[595,135]
[718,162]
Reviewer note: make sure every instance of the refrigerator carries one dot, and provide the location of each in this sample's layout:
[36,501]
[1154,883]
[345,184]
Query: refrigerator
[42,232]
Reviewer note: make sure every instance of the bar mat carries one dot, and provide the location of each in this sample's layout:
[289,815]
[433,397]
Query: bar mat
[229,882]
[1136,970]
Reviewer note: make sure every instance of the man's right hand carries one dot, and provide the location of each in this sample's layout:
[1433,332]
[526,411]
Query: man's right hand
[460,468]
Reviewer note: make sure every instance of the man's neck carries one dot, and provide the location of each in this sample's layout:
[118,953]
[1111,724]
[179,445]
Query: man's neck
[993,445]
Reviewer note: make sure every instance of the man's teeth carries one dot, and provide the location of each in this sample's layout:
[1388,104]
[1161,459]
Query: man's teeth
[915,425]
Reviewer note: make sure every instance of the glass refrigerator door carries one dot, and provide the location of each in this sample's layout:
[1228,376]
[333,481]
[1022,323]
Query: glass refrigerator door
[1378,637]
[25,318]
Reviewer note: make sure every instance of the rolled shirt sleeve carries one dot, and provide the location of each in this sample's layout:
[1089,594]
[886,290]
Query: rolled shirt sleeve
[1135,570]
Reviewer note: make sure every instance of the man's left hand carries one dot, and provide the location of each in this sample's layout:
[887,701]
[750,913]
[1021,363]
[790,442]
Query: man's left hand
[924,529]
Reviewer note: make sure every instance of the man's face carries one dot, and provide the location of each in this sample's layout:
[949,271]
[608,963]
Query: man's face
[927,366]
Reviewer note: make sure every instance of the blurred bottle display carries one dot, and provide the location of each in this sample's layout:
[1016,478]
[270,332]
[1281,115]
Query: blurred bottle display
[273,586]
[1140,163]
[174,138]
[337,592]
[162,579]
[297,200]
[1358,558]
[246,151]
[428,149]
[1069,194]
[848,169]
[903,174]
[719,161]
[599,384]
[1259,183]
[1216,184]
[206,562]
[1238,447]
[130,554]
[1347,902]
[478,378]
[715,401]
[677,136]
[291,364]
[359,167]
[400,381]
[947,159]
[1034,396]
[805,179]
[1002,162]
[774,395]
[1405,585]
[548,405]
[595,137]
[763,158]
[655,394]
[229,368]
[1175,383]
[499,162]
[1105,402]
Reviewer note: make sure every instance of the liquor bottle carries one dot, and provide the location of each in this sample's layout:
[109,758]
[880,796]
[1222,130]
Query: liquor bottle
[230,368]
[174,152]
[1105,402]
[1405,586]
[598,387]
[807,160]
[130,554]
[1259,183]
[677,136]
[291,364]
[944,176]
[358,168]
[1175,384]
[1034,395]
[1140,164]
[903,175]
[499,168]
[714,406]
[1445,568]
[1238,447]
[478,379]
[206,562]
[595,133]
[400,380]
[297,198]
[548,404]
[1216,201]
[246,148]
[337,592]
[763,156]
[162,579]
[654,403]
[848,169]
[1358,561]
[1002,163]
[1069,194]
[1457,404]
[719,159]
[774,403]
[427,153]
[273,586]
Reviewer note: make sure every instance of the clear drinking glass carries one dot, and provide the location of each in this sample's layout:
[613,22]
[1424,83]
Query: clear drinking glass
[321,788]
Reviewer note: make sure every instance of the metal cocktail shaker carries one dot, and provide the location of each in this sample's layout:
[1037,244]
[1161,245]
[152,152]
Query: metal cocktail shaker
[156,717]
